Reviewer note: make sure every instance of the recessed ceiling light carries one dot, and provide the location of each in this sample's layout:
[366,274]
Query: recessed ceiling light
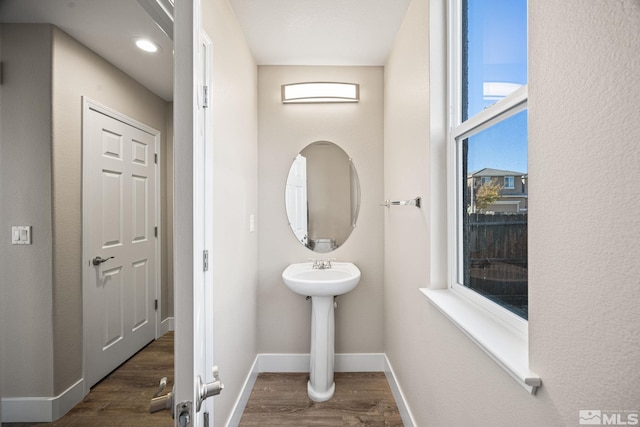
[147,45]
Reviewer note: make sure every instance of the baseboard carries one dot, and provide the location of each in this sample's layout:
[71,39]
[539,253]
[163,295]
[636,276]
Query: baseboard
[243,398]
[344,362]
[41,409]
[166,325]
[396,390]
[283,362]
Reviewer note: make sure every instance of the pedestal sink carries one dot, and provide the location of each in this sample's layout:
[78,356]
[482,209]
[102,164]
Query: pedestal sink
[321,284]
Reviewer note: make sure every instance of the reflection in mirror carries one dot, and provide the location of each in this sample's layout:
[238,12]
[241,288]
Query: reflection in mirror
[322,196]
[89,54]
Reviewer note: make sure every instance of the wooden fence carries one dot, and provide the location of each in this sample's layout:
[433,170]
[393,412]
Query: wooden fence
[496,258]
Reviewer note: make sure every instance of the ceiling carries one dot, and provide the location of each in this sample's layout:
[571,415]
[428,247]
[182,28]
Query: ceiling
[107,27]
[320,32]
[279,32]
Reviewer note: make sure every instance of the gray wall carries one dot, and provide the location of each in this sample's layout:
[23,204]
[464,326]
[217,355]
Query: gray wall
[284,318]
[583,270]
[26,271]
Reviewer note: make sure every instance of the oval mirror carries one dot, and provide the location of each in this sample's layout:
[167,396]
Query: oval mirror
[322,196]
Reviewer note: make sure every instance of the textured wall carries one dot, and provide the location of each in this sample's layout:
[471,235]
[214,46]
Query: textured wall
[284,318]
[583,269]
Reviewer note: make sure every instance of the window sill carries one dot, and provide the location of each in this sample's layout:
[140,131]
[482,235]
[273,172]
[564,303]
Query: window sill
[509,350]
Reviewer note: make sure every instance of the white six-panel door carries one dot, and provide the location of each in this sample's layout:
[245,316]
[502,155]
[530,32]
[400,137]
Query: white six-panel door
[119,202]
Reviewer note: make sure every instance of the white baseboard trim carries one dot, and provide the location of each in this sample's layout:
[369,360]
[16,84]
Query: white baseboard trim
[41,409]
[166,325]
[344,362]
[396,390]
[283,362]
[243,398]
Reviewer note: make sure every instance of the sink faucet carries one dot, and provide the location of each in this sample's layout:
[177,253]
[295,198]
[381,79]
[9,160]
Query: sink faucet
[322,264]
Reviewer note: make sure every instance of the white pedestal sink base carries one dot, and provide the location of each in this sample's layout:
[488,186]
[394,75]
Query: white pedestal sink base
[320,397]
[321,283]
[321,386]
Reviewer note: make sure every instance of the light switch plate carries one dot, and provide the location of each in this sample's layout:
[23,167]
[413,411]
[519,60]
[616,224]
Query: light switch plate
[21,234]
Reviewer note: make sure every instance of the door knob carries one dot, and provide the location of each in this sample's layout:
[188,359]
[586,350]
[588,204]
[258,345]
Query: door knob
[97,260]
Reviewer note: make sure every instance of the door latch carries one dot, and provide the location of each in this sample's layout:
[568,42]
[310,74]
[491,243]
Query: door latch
[204,390]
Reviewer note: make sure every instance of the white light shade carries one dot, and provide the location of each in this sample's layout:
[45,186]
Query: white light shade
[320,92]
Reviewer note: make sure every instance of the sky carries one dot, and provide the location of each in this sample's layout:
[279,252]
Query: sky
[497,60]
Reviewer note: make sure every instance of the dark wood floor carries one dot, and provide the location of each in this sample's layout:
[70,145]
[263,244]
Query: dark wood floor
[122,398]
[360,399]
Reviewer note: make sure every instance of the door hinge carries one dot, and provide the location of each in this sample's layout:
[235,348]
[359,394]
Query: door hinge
[155,231]
[205,96]
[156,305]
[205,260]
[155,158]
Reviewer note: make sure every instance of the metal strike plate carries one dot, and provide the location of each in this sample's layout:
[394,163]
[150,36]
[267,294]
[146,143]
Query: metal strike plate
[184,414]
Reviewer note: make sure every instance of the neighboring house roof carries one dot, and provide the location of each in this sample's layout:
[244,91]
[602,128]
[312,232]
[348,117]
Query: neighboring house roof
[495,172]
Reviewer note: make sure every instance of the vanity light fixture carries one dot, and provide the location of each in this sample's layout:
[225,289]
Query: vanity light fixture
[320,92]
[146,45]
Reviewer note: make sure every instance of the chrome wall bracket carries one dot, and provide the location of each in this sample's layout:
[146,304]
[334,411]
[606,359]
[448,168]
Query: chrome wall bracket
[417,202]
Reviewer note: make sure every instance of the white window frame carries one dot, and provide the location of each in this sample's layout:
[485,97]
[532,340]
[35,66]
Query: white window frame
[458,131]
[485,180]
[498,332]
[512,182]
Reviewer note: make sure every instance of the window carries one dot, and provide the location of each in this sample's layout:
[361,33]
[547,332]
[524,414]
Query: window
[509,183]
[486,124]
[488,132]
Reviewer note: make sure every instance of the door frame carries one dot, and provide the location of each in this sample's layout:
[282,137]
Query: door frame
[189,178]
[205,79]
[87,105]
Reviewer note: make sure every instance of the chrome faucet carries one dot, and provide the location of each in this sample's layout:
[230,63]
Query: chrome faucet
[322,264]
